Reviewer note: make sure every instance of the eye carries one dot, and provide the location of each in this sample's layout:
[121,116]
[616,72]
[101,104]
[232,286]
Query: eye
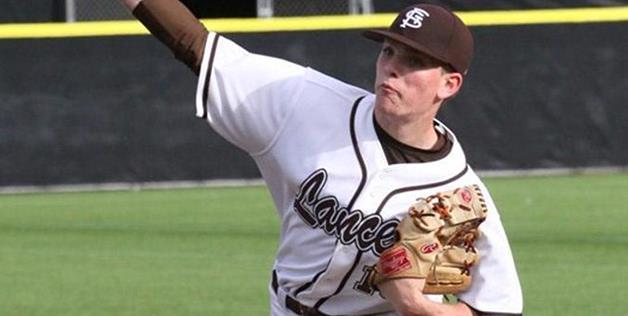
[415,62]
[387,51]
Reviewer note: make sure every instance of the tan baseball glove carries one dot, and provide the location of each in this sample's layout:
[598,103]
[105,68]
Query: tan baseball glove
[435,242]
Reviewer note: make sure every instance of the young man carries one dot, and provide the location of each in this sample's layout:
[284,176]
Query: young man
[343,164]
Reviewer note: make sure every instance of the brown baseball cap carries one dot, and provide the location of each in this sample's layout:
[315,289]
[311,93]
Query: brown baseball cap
[432,30]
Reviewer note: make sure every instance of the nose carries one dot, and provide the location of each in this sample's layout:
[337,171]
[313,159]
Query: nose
[391,67]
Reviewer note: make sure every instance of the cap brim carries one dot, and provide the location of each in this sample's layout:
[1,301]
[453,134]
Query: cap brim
[381,35]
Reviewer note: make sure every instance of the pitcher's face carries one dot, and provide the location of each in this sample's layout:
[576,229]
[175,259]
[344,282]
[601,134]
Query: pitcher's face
[408,83]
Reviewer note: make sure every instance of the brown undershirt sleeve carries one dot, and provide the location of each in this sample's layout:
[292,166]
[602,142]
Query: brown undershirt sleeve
[175,26]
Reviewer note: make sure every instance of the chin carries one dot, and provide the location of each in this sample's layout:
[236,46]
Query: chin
[386,105]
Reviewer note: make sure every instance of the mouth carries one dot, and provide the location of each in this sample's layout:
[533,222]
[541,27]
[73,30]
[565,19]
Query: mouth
[387,89]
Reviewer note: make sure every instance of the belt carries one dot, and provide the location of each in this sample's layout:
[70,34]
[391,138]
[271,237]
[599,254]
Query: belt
[293,304]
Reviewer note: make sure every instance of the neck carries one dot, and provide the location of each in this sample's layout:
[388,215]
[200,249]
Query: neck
[418,133]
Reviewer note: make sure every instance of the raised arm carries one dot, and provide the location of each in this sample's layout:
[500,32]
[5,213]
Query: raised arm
[245,97]
[175,26]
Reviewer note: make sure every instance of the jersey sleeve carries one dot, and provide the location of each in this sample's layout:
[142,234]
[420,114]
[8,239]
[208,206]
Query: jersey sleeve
[246,97]
[495,287]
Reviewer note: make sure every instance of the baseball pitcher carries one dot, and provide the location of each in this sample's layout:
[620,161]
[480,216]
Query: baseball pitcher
[380,212]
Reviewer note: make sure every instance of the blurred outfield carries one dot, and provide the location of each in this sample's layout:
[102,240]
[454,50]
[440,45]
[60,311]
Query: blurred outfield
[208,251]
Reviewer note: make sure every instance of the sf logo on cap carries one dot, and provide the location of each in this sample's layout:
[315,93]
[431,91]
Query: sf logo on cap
[414,18]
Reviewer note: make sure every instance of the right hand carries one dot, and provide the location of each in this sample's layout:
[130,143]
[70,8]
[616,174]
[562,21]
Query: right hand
[130,4]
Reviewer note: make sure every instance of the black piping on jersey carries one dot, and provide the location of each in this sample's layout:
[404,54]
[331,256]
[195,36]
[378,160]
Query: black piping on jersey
[420,187]
[356,149]
[209,76]
[308,284]
[358,190]
[358,155]
[358,257]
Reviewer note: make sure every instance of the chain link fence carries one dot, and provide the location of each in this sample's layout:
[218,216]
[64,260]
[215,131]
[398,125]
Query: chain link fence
[97,10]
[267,8]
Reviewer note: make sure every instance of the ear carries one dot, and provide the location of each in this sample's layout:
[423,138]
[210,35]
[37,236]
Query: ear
[450,85]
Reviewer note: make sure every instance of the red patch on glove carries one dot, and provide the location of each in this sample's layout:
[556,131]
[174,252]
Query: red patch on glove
[394,262]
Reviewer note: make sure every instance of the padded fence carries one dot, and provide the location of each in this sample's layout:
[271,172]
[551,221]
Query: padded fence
[120,109]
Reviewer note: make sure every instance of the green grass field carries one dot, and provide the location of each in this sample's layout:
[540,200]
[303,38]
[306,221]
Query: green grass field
[209,251]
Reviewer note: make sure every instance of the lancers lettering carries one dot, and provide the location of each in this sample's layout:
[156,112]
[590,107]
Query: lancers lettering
[368,232]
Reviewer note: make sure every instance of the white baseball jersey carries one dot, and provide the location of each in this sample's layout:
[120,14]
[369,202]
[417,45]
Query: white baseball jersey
[338,199]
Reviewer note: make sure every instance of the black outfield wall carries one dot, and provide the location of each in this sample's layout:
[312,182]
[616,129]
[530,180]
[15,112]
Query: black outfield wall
[109,109]
[19,11]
